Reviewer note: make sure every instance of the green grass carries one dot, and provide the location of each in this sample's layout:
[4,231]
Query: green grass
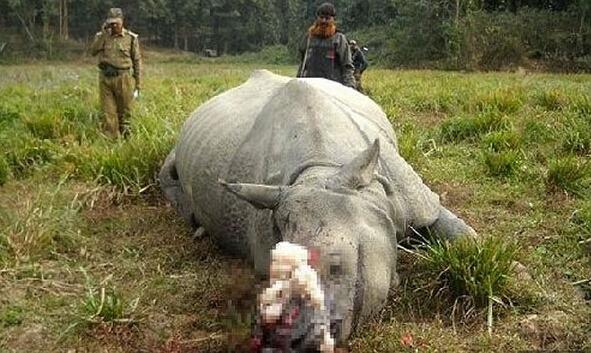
[498,141]
[552,99]
[473,270]
[507,152]
[106,305]
[45,224]
[11,316]
[501,164]
[577,134]
[472,127]
[4,170]
[570,174]
[582,218]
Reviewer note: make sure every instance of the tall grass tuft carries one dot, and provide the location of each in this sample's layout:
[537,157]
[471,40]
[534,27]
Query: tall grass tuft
[26,152]
[551,100]
[570,175]
[470,128]
[501,163]
[537,131]
[472,269]
[130,164]
[43,127]
[504,100]
[502,140]
[581,103]
[105,305]
[577,135]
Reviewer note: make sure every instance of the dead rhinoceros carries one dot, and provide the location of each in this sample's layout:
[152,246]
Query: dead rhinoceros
[319,163]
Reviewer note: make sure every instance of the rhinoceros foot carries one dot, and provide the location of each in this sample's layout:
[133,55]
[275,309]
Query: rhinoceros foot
[451,227]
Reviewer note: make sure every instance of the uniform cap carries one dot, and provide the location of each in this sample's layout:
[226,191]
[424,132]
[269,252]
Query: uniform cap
[115,14]
[326,9]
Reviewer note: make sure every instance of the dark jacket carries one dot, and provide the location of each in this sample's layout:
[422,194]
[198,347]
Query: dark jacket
[359,61]
[328,58]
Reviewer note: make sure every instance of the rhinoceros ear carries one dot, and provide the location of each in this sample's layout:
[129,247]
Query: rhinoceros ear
[359,172]
[260,196]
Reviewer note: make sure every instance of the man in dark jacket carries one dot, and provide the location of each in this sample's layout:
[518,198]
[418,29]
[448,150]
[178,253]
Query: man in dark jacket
[359,62]
[325,51]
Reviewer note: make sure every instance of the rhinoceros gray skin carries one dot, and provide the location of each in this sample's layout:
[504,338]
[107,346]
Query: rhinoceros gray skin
[319,162]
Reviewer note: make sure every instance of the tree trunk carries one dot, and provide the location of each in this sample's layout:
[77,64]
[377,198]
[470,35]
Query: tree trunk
[66,27]
[27,31]
[61,19]
[176,37]
[582,33]
[457,21]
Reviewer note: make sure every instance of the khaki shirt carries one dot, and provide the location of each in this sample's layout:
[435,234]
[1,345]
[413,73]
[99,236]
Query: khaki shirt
[121,51]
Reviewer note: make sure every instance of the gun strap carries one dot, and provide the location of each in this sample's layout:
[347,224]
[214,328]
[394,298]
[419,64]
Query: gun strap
[305,57]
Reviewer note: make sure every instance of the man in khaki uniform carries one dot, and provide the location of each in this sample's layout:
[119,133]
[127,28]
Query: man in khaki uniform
[118,53]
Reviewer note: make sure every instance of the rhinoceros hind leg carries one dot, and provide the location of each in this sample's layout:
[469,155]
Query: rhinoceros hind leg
[171,186]
[449,226]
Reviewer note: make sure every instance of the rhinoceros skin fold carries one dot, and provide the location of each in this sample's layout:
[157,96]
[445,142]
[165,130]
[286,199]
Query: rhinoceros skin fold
[311,162]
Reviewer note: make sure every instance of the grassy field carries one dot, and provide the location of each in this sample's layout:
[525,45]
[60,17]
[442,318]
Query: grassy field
[92,259]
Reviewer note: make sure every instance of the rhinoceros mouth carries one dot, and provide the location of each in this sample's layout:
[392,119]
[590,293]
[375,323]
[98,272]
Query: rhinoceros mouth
[296,331]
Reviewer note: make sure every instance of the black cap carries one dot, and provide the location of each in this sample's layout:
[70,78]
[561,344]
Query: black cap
[326,9]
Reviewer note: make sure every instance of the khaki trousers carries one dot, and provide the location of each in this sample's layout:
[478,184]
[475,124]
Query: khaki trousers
[116,96]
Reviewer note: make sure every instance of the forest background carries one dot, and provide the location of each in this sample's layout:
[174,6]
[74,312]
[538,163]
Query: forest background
[549,35]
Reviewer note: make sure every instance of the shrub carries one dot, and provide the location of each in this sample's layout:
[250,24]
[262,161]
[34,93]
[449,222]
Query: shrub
[495,40]
[489,43]
[473,269]
[570,175]
[501,164]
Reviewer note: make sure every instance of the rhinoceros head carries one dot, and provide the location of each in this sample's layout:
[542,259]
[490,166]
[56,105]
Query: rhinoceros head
[346,214]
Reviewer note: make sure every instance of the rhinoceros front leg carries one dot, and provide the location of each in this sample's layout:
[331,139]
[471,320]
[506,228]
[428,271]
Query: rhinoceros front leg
[173,191]
[449,226]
